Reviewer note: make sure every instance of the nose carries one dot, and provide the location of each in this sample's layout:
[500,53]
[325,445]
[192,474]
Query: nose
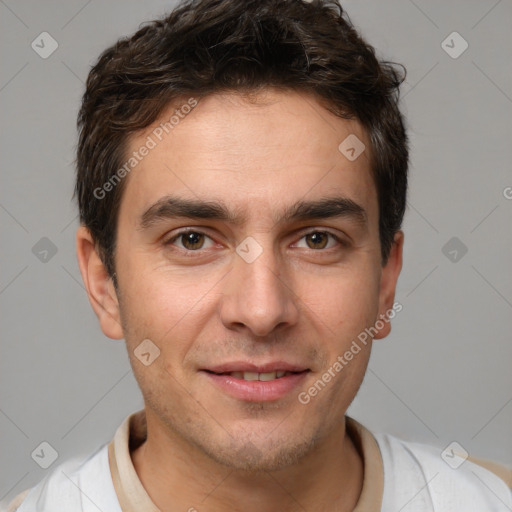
[257,298]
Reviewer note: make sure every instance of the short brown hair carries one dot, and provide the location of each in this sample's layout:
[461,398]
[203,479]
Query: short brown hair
[205,47]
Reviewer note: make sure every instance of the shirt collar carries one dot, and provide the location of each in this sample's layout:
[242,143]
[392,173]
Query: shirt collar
[133,497]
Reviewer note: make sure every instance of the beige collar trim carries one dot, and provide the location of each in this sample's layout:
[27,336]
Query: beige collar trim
[130,492]
[373,479]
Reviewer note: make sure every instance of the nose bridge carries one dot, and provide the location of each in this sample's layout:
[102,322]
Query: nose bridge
[256,296]
[260,279]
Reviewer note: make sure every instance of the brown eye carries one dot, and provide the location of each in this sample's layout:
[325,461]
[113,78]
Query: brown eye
[317,240]
[190,240]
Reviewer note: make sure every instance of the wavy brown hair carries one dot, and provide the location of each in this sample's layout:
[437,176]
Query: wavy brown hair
[205,47]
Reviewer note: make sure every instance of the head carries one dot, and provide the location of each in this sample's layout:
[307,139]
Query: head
[225,218]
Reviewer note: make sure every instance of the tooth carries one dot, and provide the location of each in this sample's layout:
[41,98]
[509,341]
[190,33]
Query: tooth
[250,376]
[237,375]
[267,376]
[280,374]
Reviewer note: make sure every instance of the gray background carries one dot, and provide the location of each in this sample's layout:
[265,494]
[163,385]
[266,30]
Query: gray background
[442,375]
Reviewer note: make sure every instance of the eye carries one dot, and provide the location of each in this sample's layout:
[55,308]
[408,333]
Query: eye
[191,241]
[318,240]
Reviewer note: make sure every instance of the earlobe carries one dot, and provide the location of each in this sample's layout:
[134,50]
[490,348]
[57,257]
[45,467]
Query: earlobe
[389,277]
[98,284]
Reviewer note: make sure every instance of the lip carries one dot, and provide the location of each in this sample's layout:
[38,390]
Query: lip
[256,390]
[246,366]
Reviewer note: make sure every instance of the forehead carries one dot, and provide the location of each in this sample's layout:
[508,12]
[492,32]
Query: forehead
[267,152]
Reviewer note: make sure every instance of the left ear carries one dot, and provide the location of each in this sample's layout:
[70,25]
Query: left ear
[389,277]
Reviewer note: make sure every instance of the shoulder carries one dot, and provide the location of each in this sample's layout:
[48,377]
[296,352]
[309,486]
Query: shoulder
[423,477]
[79,484]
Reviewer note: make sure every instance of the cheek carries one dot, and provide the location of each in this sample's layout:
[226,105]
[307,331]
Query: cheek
[346,302]
[162,306]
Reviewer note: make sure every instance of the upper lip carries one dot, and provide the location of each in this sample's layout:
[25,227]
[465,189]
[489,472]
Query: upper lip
[245,366]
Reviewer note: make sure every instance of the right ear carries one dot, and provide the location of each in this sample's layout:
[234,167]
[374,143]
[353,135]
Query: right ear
[98,284]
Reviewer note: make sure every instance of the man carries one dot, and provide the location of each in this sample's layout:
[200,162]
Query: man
[242,172]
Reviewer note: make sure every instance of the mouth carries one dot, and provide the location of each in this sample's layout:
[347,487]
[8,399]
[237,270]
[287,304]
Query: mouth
[253,383]
[252,376]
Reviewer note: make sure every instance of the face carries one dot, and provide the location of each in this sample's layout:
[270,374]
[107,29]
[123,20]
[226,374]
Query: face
[247,247]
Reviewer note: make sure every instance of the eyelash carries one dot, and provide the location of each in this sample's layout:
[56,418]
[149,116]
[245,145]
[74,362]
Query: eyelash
[176,236]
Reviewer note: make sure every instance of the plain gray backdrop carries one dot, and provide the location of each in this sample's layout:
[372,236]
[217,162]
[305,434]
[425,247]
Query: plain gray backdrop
[443,374]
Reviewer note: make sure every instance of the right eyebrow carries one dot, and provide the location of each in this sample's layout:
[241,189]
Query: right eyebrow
[170,207]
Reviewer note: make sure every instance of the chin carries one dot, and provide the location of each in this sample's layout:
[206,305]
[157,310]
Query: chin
[260,455]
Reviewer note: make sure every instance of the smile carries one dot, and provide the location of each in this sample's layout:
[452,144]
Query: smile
[265,377]
[253,386]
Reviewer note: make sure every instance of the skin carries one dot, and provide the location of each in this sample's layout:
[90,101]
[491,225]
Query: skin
[300,301]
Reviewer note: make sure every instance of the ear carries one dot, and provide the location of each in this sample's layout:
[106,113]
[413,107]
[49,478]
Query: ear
[99,286]
[389,277]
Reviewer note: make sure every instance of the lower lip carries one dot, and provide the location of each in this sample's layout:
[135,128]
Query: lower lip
[257,390]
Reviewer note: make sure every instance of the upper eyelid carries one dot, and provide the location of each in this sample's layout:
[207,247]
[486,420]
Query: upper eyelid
[184,231]
[340,239]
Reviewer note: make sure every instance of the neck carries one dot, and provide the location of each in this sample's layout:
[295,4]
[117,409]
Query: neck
[178,476]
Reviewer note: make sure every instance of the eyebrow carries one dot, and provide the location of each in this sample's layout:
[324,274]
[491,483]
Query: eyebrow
[171,207]
[326,208]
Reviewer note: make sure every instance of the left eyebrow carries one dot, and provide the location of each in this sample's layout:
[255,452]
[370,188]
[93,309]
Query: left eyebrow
[331,207]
